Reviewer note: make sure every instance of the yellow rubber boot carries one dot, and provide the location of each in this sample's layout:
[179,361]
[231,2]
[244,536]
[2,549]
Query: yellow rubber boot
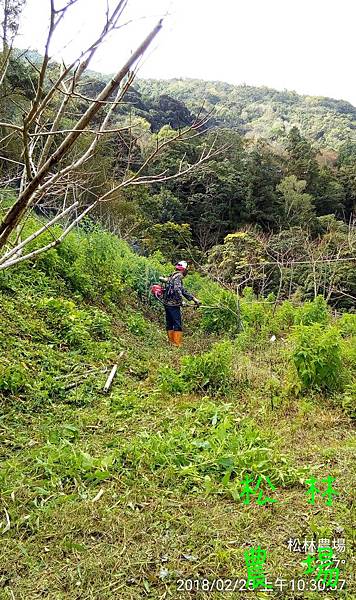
[177,338]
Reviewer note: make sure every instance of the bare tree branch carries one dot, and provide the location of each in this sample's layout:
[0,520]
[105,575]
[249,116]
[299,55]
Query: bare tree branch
[37,233]
[28,196]
[15,261]
[53,172]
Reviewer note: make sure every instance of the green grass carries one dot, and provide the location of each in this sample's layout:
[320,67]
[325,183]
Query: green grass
[117,496]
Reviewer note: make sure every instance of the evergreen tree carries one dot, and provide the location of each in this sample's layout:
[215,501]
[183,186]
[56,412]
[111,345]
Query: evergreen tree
[261,205]
[346,175]
[297,207]
[301,159]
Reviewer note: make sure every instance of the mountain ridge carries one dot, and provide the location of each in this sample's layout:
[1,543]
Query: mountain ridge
[263,111]
[254,111]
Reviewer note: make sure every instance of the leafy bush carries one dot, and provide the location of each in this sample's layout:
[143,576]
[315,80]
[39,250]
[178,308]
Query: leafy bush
[312,312]
[70,322]
[224,316]
[170,381]
[347,400]
[98,265]
[317,357]
[284,317]
[86,262]
[255,314]
[100,325]
[75,326]
[348,355]
[137,324]
[211,370]
[347,324]
[13,379]
[139,272]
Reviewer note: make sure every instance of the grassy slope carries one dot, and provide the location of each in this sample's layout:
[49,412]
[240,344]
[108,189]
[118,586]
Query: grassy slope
[95,511]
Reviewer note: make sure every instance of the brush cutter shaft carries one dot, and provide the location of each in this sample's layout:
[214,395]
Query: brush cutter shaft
[203,306]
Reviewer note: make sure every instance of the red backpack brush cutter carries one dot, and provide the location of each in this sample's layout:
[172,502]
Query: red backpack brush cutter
[157,290]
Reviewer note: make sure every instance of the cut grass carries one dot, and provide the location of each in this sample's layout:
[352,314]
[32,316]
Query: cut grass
[62,544]
[118,496]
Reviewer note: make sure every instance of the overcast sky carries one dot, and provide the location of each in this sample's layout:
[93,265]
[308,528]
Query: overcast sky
[302,45]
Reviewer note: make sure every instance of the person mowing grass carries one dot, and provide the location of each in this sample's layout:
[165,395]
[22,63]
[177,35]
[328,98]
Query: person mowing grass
[173,295]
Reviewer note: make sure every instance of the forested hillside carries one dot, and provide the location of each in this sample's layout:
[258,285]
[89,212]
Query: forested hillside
[261,112]
[289,201]
[255,112]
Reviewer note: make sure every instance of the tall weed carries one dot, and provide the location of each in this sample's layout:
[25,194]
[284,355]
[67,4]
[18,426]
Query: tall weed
[347,325]
[223,316]
[312,312]
[211,370]
[317,357]
[75,326]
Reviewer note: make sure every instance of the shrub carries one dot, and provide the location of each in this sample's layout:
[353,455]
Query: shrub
[211,370]
[347,325]
[347,400]
[317,357]
[284,317]
[90,263]
[224,317]
[255,314]
[137,324]
[312,312]
[67,320]
[97,264]
[75,326]
[139,272]
[14,379]
[170,381]
[100,325]
[95,271]
[348,354]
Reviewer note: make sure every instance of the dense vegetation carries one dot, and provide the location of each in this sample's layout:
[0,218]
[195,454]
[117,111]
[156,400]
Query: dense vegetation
[118,496]
[289,203]
[257,112]
[261,112]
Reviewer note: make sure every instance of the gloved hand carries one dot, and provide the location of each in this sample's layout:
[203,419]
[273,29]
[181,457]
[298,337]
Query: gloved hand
[196,302]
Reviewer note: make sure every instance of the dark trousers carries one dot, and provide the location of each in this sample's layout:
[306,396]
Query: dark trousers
[173,318]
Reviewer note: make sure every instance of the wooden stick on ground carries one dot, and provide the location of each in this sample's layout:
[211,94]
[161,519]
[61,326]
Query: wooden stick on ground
[109,380]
